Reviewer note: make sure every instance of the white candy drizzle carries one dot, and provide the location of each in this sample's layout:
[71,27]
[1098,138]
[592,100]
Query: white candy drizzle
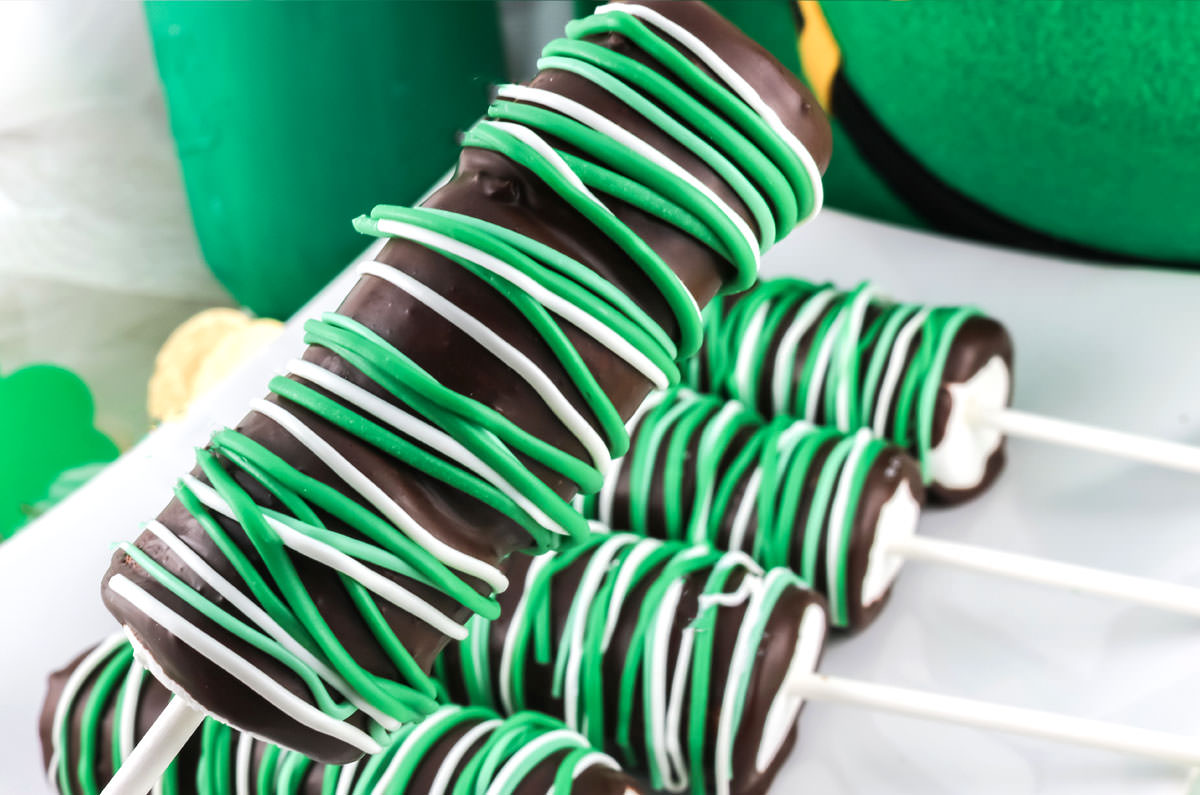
[735,81]
[237,762]
[377,497]
[461,440]
[585,115]
[254,678]
[339,561]
[614,565]
[518,362]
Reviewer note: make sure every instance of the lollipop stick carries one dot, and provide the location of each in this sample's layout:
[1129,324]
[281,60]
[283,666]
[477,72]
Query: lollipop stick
[1163,746]
[1172,455]
[155,752]
[1081,579]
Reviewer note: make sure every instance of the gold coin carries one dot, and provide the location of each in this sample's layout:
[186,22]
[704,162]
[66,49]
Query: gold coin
[231,351]
[172,385]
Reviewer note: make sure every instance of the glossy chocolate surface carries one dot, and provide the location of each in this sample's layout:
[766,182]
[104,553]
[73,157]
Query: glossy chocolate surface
[487,186]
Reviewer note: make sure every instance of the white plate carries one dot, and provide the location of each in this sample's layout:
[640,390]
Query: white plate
[1112,346]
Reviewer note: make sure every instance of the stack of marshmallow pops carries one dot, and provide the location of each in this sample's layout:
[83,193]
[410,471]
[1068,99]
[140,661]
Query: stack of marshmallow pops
[688,665]
[308,572]
[937,381]
[840,509]
[101,704]
[312,566]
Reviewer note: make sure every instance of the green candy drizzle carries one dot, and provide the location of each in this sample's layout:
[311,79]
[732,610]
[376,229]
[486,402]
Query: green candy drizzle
[490,463]
[860,357]
[799,466]
[277,771]
[607,708]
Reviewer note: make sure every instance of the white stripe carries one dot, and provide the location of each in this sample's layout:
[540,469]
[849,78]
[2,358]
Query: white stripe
[559,305]
[240,668]
[595,759]
[449,766]
[713,429]
[852,332]
[346,778]
[749,346]
[341,562]
[74,684]
[510,768]
[836,529]
[736,82]
[506,654]
[783,376]
[792,435]
[135,677]
[425,433]
[249,608]
[895,367]
[590,118]
[400,754]
[731,598]
[741,663]
[372,493]
[242,762]
[674,780]
[544,149]
[741,519]
[593,576]
[653,399]
[675,731]
[816,386]
[641,550]
[677,755]
[531,139]
[606,499]
[506,352]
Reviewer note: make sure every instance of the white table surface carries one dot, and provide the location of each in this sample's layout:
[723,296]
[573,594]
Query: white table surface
[1116,347]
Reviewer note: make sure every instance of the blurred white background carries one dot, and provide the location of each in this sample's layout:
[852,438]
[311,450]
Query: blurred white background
[98,260]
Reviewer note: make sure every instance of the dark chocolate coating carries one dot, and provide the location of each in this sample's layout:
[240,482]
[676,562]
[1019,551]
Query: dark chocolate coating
[772,660]
[978,340]
[153,701]
[593,781]
[891,468]
[487,186]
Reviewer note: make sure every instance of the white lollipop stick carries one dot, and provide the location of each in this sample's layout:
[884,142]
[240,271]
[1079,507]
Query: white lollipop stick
[1081,579]
[154,752]
[1162,746]
[1012,422]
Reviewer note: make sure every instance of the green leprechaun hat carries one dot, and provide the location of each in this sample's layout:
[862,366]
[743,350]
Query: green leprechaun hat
[1058,126]
[1065,127]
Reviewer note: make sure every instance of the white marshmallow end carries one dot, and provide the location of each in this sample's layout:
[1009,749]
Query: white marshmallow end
[959,461]
[785,709]
[897,521]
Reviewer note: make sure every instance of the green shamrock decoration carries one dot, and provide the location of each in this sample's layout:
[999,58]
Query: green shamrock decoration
[46,433]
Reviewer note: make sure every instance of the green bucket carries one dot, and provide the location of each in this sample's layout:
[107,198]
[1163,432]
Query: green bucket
[292,118]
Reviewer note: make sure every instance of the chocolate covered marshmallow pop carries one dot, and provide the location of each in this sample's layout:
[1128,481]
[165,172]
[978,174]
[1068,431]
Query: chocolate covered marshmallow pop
[681,660]
[935,380]
[312,566]
[672,657]
[98,707]
[691,666]
[840,509]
